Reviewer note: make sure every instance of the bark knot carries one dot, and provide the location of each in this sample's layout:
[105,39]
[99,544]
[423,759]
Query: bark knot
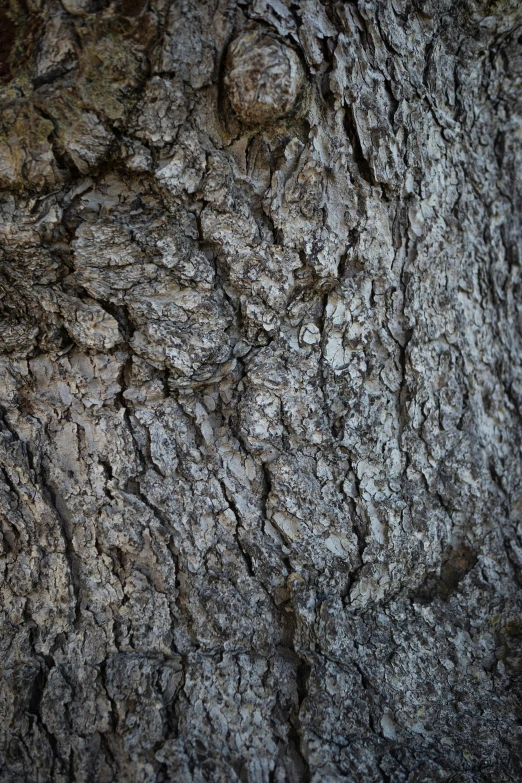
[263,77]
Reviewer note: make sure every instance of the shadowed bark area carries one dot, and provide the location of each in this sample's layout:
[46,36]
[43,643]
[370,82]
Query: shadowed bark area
[260,391]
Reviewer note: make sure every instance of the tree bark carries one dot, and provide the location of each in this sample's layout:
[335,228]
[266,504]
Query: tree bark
[261,391]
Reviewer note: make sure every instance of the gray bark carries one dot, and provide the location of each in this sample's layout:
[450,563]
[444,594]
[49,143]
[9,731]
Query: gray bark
[261,391]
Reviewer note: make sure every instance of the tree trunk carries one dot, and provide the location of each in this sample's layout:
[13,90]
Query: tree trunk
[261,391]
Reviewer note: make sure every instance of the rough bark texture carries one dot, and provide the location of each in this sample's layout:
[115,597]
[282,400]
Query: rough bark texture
[261,391]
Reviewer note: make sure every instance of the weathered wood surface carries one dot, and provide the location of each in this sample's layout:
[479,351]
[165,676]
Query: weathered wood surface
[261,391]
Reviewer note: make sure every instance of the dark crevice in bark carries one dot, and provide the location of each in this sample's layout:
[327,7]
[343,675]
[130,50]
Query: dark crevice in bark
[34,710]
[358,155]
[71,555]
[295,733]
[247,558]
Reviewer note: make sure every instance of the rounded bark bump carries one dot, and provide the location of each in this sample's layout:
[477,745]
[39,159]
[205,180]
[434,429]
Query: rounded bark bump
[263,77]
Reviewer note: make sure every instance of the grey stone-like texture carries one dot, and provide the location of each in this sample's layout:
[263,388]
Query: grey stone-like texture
[261,391]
